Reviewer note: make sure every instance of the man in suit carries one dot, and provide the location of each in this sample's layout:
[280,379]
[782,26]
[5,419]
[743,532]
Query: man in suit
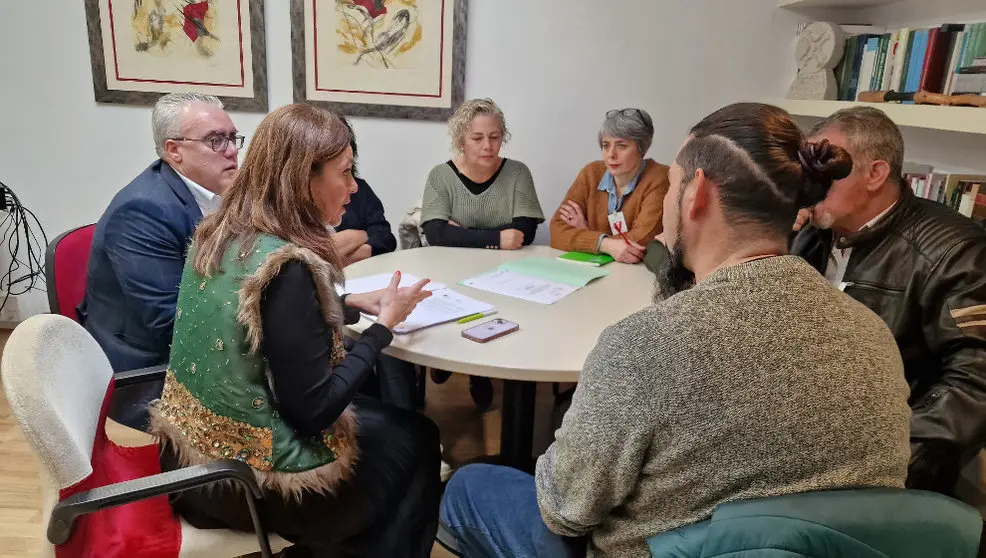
[140,242]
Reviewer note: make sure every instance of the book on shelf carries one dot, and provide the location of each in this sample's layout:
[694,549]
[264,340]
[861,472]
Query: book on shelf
[949,58]
[962,192]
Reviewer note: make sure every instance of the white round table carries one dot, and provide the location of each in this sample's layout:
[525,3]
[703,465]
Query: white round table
[551,345]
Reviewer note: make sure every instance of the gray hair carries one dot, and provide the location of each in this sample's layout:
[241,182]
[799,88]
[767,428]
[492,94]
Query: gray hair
[166,116]
[630,124]
[458,125]
[871,134]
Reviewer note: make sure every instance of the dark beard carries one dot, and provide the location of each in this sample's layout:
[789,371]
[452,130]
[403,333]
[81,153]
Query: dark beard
[676,276]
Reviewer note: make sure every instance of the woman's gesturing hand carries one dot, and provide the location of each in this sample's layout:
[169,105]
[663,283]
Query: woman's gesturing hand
[396,304]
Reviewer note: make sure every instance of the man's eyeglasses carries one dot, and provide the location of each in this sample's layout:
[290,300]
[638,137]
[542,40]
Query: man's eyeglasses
[218,143]
[629,112]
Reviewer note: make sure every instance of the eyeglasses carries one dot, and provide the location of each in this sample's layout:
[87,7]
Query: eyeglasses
[218,143]
[630,112]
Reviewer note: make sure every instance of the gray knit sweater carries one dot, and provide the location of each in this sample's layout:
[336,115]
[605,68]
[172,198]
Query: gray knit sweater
[761,380]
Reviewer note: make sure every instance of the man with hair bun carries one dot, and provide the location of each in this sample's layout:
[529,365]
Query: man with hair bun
[750,377]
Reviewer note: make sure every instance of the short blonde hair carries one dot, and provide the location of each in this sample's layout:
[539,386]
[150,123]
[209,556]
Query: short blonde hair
[458,125]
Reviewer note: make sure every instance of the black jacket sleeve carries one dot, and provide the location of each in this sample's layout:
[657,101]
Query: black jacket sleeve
[948,423]
[440,233]
[374,222]
[297,343]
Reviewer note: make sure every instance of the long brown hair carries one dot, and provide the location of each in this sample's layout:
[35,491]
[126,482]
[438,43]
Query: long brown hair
[271,193]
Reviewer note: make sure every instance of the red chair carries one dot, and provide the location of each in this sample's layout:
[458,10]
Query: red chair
[66,263]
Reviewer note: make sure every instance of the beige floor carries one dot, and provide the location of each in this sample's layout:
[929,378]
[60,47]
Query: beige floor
[466,433]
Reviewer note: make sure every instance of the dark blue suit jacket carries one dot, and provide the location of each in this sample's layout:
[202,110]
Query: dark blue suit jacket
[365,212]
[135,265]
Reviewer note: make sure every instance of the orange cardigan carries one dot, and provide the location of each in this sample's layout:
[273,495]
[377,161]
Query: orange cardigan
[643,208]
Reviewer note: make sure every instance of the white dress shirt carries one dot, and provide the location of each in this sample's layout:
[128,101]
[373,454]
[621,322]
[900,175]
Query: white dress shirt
[839,258]
[207,200]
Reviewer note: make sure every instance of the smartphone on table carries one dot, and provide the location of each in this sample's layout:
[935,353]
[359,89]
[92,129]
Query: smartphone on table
[493,329]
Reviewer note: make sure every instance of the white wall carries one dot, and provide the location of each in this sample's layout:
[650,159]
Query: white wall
[555,66]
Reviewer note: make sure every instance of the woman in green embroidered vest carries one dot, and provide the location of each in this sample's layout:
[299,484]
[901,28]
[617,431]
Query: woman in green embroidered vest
[479,199]
[259,372]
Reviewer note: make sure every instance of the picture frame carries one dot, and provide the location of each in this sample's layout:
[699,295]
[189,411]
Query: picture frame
[141,50]
[383,58]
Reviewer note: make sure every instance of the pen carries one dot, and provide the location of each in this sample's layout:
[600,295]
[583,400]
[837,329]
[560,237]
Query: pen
[619,229]
[476,316]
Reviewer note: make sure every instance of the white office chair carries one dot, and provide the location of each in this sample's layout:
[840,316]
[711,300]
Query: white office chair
[56,378]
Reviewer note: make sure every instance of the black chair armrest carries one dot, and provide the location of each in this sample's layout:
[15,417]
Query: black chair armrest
[65,513]
[140,375]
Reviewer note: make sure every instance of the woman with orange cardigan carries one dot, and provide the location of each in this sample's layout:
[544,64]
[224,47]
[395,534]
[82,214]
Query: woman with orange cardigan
[615,205]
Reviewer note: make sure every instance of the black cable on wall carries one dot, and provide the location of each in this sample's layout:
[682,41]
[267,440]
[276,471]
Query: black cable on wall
[19,228]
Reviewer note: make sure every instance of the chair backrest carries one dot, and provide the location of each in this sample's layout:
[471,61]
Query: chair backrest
[66,263]
[866,522]
[56,377]
[409,231]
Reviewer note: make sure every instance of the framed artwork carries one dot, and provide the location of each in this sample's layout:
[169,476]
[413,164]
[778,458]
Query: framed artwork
[384,58]
[143,49]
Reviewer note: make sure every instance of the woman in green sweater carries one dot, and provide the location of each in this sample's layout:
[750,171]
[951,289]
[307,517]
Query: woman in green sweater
[479,199]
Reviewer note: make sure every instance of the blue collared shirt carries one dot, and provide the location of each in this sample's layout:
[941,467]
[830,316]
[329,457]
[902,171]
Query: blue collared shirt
[608,184]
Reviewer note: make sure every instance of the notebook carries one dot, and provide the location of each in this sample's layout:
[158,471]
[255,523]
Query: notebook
[585,258]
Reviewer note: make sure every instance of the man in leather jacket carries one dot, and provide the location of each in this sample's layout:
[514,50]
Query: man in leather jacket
[920,266]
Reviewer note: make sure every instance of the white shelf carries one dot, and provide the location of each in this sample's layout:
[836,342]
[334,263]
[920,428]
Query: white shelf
[952,119]
[798,4]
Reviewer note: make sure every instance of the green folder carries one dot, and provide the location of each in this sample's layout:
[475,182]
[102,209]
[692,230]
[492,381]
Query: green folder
[554,270]
[586,258]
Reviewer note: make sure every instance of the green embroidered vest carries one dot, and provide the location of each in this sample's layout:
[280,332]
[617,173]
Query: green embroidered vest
[217,401]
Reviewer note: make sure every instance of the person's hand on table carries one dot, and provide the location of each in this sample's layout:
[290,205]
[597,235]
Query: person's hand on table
[511,239]
[348,240]
[804,217]
[396,304]
[572,214]
[360,254]
[623,251]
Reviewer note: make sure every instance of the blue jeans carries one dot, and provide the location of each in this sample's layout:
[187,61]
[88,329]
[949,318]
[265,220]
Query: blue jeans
[493,511]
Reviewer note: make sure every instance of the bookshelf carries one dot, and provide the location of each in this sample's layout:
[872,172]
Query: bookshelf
[950,119]
[894,14]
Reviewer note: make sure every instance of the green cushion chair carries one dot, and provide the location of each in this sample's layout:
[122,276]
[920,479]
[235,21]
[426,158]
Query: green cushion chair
[864,523]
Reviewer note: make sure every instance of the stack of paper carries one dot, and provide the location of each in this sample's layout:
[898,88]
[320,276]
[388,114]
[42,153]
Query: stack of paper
[536,279]
[443,306]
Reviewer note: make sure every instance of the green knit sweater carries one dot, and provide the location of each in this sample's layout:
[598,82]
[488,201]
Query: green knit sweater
[511,195]
[761,380]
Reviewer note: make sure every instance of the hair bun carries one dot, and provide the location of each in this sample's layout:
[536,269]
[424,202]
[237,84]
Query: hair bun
[821,163]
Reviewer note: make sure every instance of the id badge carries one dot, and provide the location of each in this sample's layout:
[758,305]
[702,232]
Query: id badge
[617,223]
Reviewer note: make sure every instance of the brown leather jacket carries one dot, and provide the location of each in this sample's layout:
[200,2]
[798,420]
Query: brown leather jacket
[922,268]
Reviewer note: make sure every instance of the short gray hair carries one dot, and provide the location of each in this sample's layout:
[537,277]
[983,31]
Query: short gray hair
[871,134]
[458,125]
[630,124]
[166,116]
